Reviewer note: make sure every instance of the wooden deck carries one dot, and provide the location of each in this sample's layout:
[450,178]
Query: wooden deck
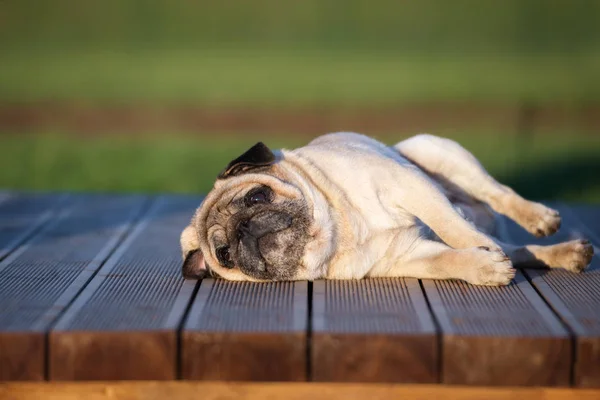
[90,289]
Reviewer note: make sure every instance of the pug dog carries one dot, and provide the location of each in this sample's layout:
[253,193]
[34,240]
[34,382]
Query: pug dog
[348,207]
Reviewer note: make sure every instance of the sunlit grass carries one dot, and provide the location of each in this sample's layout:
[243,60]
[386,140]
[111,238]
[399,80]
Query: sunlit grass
[285,77]
[550,166]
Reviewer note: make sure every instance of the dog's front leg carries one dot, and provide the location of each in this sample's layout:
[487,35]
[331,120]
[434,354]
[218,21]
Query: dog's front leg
[434,260]
[415,193]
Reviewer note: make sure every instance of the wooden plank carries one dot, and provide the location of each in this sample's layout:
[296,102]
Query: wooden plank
[503,336]
[124,323]
[127,390]
[246,331]
[41,277]
[21,214]
[373,330]
[575,297]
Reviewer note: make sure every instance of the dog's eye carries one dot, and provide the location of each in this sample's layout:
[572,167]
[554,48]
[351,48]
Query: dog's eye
[224,256]
[258,196]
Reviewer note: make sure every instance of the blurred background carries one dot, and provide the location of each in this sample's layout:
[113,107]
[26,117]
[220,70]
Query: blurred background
[158,95]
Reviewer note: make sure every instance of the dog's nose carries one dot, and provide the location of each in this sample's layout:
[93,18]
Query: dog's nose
[262,224]
[249,228]
[242,229]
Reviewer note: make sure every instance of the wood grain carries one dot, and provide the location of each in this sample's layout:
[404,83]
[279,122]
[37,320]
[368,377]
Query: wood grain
[246,331]
[374,358]
[586,310]
[22,356]
[124,323]
[506,361]
[374,330]
[574,297]
[271,391]
[84,356]
[44,274]
[244,356]
[503,336]
[21,215]
[112,290]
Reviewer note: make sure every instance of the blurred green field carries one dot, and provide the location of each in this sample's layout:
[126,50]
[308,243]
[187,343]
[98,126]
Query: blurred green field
[297,53]
[549,166]
[286,78]
[313,54]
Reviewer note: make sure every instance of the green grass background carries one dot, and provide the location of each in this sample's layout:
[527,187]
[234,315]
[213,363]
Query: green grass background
[551,166]
[310,53]
[295,78]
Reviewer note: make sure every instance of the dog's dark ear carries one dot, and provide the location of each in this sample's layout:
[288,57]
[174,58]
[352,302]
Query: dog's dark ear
[194,266]
[257,156]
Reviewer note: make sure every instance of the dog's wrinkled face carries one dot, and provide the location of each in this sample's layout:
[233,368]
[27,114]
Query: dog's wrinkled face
[252,226]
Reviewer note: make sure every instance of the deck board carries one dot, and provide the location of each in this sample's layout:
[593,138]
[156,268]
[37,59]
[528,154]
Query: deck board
[22,214]
[90,289]
[373,330]
[499,335]
[124,323]
[279,390]
[575,297]
[41,277]
[247,331]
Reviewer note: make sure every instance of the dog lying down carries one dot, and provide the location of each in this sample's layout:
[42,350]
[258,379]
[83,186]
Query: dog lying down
[347,207]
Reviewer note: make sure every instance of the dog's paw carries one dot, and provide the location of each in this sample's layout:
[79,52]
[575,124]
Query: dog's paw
[491,268]
[574,256]
[544,221]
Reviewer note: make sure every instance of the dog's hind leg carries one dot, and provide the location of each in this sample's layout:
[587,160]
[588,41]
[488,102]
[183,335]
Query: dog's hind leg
[454,167]
[574,255]
[418,196]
